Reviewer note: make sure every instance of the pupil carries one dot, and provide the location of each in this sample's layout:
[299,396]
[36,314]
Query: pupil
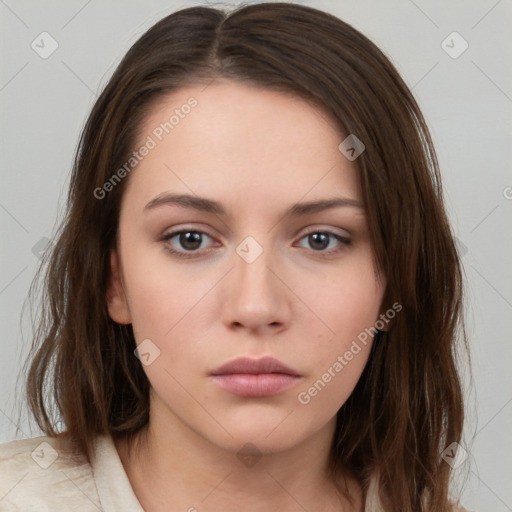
[313,239]
[190,240]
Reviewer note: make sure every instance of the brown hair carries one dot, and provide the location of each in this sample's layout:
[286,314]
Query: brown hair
[407,406]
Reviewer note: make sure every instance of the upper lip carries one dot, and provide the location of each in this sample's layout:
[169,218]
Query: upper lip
[265,364]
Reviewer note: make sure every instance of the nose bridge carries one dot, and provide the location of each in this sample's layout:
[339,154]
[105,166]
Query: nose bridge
[256,297]
[252,273]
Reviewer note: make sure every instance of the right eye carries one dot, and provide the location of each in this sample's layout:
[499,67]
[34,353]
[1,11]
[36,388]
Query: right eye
[190,240]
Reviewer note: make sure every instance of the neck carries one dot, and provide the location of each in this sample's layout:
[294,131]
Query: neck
[174,468]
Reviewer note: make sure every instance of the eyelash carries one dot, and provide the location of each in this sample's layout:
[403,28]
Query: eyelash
[192,254]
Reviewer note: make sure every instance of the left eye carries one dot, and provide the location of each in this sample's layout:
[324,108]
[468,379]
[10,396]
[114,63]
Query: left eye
[320,240]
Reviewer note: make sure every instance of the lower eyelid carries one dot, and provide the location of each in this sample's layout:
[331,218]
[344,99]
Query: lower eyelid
[167,237]
[342,241]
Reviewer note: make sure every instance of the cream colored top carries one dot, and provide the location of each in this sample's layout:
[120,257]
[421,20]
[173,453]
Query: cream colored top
[38,475]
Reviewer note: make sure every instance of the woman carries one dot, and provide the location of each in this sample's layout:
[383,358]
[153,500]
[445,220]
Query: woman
[255,296]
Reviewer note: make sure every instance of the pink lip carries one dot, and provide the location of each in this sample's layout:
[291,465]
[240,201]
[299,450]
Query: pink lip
[255,377]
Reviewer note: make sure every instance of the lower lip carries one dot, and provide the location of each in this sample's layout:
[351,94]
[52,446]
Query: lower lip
[263,384]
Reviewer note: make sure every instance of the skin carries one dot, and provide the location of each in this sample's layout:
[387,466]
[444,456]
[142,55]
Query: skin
[257,152]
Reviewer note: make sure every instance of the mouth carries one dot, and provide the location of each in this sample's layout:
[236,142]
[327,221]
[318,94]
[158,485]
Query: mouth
[248,377]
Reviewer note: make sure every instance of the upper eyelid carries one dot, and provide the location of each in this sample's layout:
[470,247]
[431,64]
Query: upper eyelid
[166,237]
[176,231]
[340,237]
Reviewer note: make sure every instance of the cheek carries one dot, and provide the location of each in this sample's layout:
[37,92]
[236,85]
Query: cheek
[160,294]
[165,304]
[336,362]
[173,305]
[156,283]
[346,308]
[345,303]
[325,393]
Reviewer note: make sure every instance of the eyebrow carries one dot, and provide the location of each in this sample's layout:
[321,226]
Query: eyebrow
[208,205]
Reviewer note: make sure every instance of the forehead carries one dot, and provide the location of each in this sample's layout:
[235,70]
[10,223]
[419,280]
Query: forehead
[233,98]
[229,137]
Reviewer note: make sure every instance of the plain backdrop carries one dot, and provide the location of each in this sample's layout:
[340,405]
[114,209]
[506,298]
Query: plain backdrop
[465,94]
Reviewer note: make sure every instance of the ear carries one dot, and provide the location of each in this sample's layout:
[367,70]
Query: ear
[116,297]
[386,321]
[387,326]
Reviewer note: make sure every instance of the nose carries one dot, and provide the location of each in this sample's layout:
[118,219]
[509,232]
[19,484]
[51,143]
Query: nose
[257,297]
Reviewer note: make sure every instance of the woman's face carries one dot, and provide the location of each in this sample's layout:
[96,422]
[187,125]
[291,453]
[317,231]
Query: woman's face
[260,273]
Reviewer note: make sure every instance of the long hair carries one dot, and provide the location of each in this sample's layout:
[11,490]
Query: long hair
[407,406]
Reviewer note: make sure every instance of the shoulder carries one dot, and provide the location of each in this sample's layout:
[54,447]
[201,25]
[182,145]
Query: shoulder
[373,503]
[460,508]
[43,474]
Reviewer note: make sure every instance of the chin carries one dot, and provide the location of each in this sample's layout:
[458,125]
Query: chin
[266,436]
[250,443]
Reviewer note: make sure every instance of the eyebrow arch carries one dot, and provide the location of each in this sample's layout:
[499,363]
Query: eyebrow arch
[210,206]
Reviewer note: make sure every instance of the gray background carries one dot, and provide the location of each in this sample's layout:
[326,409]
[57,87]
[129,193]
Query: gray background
[467,101]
